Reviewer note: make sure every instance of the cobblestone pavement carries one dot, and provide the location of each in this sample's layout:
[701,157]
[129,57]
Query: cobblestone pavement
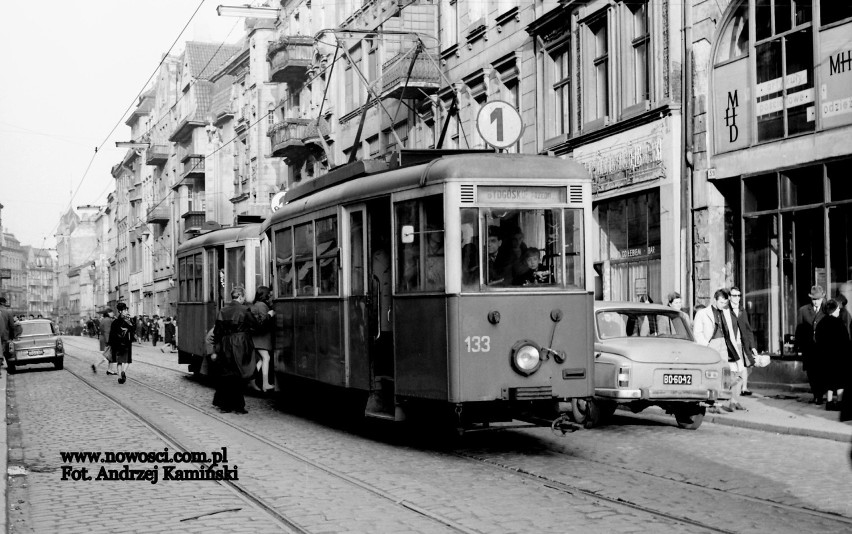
[647,463]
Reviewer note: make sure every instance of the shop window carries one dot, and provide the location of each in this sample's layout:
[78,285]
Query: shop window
[284,262]
[801,187]
[831,11]
[557,83]
[760,193]
[840,180]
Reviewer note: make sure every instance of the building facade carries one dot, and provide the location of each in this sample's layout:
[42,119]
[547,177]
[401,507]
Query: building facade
[14,263]
[772,210]
[41,278]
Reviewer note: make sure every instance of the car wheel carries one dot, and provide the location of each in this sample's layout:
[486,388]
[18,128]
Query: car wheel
[690,418]
[59,363]
[591,412]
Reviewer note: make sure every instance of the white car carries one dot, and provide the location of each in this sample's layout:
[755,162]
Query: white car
[645,355]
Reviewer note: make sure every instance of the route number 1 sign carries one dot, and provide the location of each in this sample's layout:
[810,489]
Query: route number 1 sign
[499,124]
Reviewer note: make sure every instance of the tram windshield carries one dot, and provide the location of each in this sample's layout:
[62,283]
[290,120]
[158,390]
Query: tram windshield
[521,248]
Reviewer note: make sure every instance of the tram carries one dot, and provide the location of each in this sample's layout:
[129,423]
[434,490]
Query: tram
[457,288]
[208,267]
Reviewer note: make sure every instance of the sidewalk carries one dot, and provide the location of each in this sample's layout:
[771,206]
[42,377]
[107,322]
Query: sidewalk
[780,411]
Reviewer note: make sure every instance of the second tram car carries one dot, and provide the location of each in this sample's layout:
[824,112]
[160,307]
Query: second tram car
[459,287]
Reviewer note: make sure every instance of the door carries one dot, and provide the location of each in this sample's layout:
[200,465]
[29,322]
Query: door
[357,324]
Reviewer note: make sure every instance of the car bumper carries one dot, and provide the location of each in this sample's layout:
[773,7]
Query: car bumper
[658,394]
[24,358]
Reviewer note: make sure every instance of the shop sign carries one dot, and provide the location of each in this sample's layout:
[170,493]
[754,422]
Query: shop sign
[835,77]
[732,105]
[635,162]
[635,252]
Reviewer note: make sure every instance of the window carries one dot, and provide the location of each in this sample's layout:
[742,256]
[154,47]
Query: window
[420,264]
[449,23]
[284,262]
[401,132]
[733,43]
[557,82]
[637,86]
[597,74]
[303,249]
[785,79]
[327,255]
[833,11]
[236,273]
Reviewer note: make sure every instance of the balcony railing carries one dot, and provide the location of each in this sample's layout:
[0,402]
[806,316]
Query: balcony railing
[288,138]
[159,214]
[192,221]
[157,155]
[193,166]
[425,77]
[289,58]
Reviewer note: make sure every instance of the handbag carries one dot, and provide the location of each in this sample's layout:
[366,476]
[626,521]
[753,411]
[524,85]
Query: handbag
[108,353]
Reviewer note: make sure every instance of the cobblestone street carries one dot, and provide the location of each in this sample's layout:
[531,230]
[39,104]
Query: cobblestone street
[299,473]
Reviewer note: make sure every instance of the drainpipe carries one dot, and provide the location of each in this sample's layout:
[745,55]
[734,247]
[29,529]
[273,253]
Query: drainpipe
[687,220]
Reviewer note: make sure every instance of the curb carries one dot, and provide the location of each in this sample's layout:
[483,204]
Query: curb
[777,429]
[4,460]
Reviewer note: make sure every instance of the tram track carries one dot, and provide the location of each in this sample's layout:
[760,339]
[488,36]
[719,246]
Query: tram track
[244,492]
[530,476]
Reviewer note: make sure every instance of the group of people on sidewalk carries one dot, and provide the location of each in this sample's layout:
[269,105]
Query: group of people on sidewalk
[823,333]
[725,327]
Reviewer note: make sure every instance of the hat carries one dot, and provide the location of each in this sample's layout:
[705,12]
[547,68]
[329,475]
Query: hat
[817,292]
[121,306]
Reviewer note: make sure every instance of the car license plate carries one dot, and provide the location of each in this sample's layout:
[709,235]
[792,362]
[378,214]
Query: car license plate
[677,380]
[35,352]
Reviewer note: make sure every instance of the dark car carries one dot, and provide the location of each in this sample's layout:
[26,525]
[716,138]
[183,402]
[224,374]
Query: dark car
[36,341]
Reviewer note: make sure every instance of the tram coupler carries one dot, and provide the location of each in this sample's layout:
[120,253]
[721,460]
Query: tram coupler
[564,425]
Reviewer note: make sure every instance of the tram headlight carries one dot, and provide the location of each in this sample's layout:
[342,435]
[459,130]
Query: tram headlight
[526,357]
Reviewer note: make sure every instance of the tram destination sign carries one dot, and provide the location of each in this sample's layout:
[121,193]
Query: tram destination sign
[495,194]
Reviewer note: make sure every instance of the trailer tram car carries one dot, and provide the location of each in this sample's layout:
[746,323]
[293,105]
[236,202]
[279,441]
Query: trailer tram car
[208,267]
[458,288]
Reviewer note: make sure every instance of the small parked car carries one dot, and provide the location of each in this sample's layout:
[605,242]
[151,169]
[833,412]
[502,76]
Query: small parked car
[36,341]
[645,355]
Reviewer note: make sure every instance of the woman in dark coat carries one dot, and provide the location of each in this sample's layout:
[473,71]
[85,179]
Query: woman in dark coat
[235,361]
[832,352]
[170,333]
[121,341]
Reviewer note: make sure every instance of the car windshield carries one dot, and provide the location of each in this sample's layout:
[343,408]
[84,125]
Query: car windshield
[642,323]
[36,329]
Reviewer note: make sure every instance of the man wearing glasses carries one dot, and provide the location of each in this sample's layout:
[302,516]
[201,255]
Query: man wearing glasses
[807,319]
[749,344]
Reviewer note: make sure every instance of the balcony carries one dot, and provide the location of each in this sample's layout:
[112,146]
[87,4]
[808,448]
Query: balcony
[289,58]
[192,221]
[193,166]
[157,155]
[159,214]
[288,138]
[425,77]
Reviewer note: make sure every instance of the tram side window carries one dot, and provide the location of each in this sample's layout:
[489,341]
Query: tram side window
[574,250]
[190,278]
[524,247]
[182,280]
[304,259]
[199,278]
[420,264]
[470,249]
[327,255]
[284,262]
[236,258]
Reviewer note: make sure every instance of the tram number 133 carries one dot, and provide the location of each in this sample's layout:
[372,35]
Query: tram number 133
[478,343]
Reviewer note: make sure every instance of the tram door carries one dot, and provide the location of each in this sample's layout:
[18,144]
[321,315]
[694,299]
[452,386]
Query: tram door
[371,363]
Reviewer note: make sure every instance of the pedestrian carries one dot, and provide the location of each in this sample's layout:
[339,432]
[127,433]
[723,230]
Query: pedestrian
[831,356]
[262,338]
[103,341]
[155,332]
[234,352]
[807,319]
[161,329]
[674,300]
[121,341]
[845,316]
[715,327]
[7,326]
[169,330]
[747,332]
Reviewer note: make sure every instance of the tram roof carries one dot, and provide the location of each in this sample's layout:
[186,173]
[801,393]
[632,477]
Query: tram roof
[465,166]
[224,235]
